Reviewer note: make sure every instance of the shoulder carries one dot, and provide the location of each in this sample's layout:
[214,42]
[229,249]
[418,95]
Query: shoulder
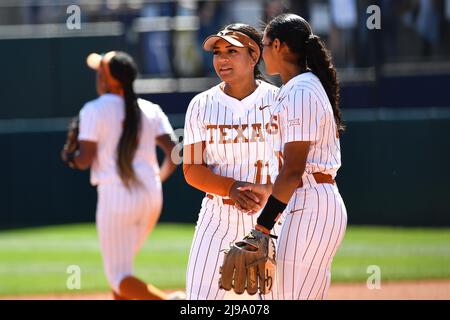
[202,99]
[268,90]
[103,104]
[91,108]
[148,108]
[268,86]
[310,85]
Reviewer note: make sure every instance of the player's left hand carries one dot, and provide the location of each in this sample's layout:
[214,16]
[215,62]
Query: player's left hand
[72,144]
[249,265]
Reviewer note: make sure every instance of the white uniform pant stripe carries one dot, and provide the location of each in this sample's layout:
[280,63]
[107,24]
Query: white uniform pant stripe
[304,262]
[123,222]
[296,240]
[324,280]
[318,245]
[219,258]
[208,271]
[315,240]
[190,285]
[195,249]
[203,270]
[220,226]
[337,241]
[340,234]
[282,253]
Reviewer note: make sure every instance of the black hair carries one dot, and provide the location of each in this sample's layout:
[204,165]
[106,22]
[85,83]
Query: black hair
[296,32]
[124,69]
[256,36]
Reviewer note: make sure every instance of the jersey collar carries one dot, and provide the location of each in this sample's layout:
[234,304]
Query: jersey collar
[240,107]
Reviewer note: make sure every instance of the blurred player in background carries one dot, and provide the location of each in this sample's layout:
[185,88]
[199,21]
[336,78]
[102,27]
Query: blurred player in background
[310,123]
[118,136]
[228,142]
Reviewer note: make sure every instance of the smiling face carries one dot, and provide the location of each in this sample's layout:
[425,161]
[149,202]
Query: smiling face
[232,64]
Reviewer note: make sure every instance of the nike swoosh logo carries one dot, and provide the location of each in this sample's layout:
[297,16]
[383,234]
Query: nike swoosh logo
[293,211]
[263,107]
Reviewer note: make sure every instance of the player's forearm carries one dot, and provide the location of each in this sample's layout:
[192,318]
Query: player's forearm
[86,155]
[167,143]
[286,183]
[202,178]
[82,162]
[295,155]
[167,168]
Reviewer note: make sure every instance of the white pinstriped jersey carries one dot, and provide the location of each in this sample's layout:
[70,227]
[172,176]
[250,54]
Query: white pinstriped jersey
[101,121]
[239,134]
[305,114]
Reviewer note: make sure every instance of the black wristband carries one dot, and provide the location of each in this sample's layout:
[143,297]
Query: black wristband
[270,213]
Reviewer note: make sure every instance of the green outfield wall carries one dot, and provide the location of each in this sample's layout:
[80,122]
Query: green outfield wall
[394,168]
[393,173]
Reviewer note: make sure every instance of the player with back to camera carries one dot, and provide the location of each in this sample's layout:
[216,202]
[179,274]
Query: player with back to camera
[227,144]
[118,135]
[310,122]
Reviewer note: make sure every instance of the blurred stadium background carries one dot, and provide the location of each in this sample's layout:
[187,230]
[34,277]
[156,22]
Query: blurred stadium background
[395,99]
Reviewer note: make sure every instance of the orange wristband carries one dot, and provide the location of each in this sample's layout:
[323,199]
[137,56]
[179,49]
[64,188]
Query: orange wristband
[262,229]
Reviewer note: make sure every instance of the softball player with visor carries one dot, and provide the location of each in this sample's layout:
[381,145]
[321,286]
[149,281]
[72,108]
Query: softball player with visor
[229,142]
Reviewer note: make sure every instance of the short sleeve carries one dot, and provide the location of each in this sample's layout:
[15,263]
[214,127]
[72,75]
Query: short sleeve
[194,128]
[89,128]
[303,114]
[163,125]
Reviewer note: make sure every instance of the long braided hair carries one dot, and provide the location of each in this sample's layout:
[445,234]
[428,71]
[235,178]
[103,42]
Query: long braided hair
[312,54]
[124,69]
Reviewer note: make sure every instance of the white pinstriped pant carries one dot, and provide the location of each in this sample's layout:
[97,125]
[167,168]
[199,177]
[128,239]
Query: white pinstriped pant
[313,229]
[124,219]
[217,227]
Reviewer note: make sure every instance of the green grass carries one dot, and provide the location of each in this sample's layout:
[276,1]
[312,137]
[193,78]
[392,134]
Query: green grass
[401,254]
[34,261]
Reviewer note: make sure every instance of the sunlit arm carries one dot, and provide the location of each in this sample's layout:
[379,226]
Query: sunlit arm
[166,143]
[198,175]
[86,155]
[290,176]
[295,155]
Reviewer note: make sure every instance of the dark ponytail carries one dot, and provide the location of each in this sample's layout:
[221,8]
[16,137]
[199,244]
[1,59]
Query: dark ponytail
[128,142]
[124,69]
[312,54]
[318,60]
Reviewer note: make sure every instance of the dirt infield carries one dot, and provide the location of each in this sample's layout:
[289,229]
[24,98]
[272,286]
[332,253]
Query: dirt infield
[408,290]
[418,290]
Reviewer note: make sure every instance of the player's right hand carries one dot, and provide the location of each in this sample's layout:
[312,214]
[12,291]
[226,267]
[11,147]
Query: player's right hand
[245,200]
[262,191]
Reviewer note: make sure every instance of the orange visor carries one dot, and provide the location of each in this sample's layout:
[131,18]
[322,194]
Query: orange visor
[234,38]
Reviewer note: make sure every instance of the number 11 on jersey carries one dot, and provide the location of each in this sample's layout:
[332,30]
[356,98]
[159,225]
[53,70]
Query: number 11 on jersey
[259,164]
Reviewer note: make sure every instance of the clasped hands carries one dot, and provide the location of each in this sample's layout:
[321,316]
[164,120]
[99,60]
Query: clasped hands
[250,197]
